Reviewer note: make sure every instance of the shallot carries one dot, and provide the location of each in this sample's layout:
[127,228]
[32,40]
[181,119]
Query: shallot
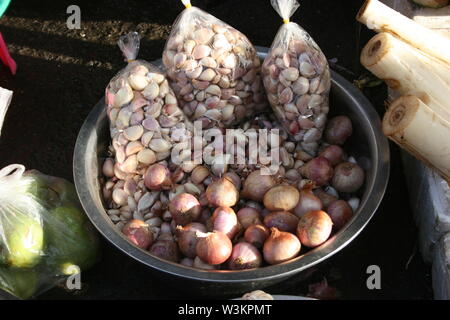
[256,185]
[138,233]
[256,234]
[340,213]
[244,256]
[348,177]
[282,220]
[214,247]
[314,228]
[281,198]
[185,208]
[224,220]
[248,216]
[318,170]
[280,247]
[187,238]
[222,193]
[338,130]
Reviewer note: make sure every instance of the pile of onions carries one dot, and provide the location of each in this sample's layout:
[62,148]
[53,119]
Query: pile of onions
[214,247]
[318,170]
[281,198]
[348,177]
[138,233]
[244,256]
[157,177]
[222,193]
[256,185]
[184,208]
[224,220]
[314,228]
[280,247]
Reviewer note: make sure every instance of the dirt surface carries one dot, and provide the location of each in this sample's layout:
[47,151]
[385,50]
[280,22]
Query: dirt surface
[62,74]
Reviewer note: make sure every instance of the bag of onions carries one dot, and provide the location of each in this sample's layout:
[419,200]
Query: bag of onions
[214,70]
[297,79]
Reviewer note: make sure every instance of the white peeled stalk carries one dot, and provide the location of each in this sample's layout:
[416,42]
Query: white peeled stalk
[5,100]
[408,70]
[414,126]
[379,17]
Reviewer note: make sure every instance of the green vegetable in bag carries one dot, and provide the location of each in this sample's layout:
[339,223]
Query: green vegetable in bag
[44,235]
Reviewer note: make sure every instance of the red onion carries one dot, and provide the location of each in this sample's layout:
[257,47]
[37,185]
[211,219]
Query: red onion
[244,256]
[340,213]
[222,193]
[138,233]
[334,154]
[256,185]
[214,247]
[165,249]
[248,216]
[282,220]
[318,170]
[280,247]
[338,130]
[308,202]
[185,208]
[256,234]
[348,177]
[314,228]
[281,198]
[187,238]
[157,177]
[224,220]
[198,263]
[324,197]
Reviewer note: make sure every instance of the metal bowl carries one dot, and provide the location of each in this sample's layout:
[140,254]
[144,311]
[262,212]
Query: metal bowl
[368,146]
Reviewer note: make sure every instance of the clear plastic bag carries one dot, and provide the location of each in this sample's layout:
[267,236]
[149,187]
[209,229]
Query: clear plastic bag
[44,234]
[214,70]
[145,120]
[296,76]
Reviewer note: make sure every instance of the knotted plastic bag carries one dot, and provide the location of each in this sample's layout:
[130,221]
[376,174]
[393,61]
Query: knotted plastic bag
[145,120]
[296,76]
[214,70]
[44,234]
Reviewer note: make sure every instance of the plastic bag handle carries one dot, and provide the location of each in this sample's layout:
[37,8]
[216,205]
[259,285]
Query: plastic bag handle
[285,8]
[129,44]
[12,172]
[187,3]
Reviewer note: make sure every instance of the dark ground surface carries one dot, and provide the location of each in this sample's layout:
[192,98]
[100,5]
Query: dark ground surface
[62,74]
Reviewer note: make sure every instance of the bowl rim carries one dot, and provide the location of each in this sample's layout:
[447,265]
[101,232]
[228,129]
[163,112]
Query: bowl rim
[284,270]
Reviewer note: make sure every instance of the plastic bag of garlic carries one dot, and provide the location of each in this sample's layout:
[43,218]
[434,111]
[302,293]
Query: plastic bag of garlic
[297,79]
[145,120]
[214,70]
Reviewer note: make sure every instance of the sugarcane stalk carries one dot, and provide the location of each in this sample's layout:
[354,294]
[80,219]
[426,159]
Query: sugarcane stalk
[415,127]
[409,71]
[379,17]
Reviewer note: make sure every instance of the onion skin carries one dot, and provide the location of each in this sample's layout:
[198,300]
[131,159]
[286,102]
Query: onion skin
[348,177]
[214,248]
[280,247]
[222,193]
[325,197]
[338,130]
[281,198]
[340,213]
[314,228]
[244,256]
[334,154]
[224,220]
[282,220]
[166,249]
[256,234]
[185,208]
[256,185]
[308,202]
[248,216]
[187,238]
[318,170]
[157,177]
[138,233]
